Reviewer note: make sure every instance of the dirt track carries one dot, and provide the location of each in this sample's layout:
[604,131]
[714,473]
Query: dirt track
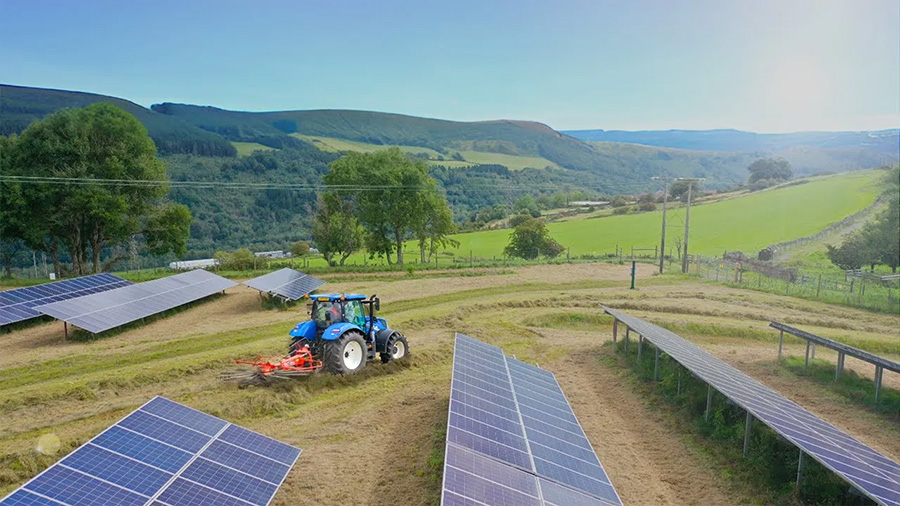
[368,439]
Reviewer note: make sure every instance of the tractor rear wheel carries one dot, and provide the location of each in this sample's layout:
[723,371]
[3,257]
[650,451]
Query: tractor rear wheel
[396,349]
[346,354]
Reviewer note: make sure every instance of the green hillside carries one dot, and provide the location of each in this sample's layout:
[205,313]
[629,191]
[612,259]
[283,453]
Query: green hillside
[747,223]
[514,144]
[19,106]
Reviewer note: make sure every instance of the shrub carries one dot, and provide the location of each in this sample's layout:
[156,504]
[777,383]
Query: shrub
[621,210]
[239,260]
[647,206]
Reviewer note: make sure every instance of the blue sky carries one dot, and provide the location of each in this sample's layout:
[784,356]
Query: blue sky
[761,65]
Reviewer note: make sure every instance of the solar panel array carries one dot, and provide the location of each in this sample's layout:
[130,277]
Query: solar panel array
[164,454]
[870,472]
[18,305]
[288,283]
[113,308]
[512,438]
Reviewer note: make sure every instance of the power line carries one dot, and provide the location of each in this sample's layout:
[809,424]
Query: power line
[277,185]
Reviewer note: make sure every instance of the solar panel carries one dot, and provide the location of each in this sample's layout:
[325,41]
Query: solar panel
[18,305]
[164,454]
[110,309]
[288,283]
[512,438]
[870,472]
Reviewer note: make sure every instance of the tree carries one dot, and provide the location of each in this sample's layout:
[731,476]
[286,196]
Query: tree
[530,240]
[878,243]
[527,205]
[882,235]
[679,188]
[435,226]
[391,194]
[12,210]
[335,229]
[849,255]
[776,169]
[98,142]
[167,229]
[299,249]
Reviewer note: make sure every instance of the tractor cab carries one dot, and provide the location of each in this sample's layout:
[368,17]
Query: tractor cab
[330,308]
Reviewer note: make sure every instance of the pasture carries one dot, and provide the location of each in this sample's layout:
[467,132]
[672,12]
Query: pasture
[390,420]
[746,223]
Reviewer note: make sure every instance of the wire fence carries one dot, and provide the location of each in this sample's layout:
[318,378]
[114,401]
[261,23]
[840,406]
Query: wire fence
[864,292]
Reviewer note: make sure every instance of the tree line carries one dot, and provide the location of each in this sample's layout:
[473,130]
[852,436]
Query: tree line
[72,216]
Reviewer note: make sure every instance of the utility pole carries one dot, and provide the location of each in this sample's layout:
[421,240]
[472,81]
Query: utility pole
[687,223]
[662,242]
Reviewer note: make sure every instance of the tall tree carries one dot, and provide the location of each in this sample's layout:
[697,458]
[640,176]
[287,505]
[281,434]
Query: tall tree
[12,210]
[773,169]
[76,147]
[391,194]
[435,226]
[336,230]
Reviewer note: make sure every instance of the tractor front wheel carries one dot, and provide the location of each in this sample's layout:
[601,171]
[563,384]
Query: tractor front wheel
[395,349]
[346,354]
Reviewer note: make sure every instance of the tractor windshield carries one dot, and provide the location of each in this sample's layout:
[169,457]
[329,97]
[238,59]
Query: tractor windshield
[325,313]
[354,313]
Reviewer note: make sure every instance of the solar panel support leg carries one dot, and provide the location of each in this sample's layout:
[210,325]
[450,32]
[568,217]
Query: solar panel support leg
[640,346]
[627,332]
[656,367]
[615,330]
[813,348]
[678,391]
[780,343]
[806,360]
[708,401]
[800,465]
[65,331]
[838,369]
[747,428]
[879,372]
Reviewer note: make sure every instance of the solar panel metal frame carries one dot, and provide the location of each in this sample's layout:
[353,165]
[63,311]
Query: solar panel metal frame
[106,310]
[705,366]
[838,346]
[565,494]
[287,283]
[150,493]
[12,310]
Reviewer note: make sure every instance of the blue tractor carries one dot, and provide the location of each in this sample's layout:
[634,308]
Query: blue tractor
[343,336]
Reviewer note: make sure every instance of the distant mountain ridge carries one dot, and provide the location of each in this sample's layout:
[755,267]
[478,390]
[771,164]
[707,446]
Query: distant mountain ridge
[885,141]
[610,160]
[480,164]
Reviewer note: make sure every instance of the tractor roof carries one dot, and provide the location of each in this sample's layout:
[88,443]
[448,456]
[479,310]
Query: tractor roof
[336,296]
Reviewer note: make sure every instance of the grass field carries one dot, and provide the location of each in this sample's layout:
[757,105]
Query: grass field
[748,223]
[246,148]
[392,418]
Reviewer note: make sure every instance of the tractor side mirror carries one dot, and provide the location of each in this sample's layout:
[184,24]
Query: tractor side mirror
[377,304]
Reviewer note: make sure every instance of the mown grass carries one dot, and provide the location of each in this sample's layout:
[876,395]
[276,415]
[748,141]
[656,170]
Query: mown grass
[854,388]
[768,473]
